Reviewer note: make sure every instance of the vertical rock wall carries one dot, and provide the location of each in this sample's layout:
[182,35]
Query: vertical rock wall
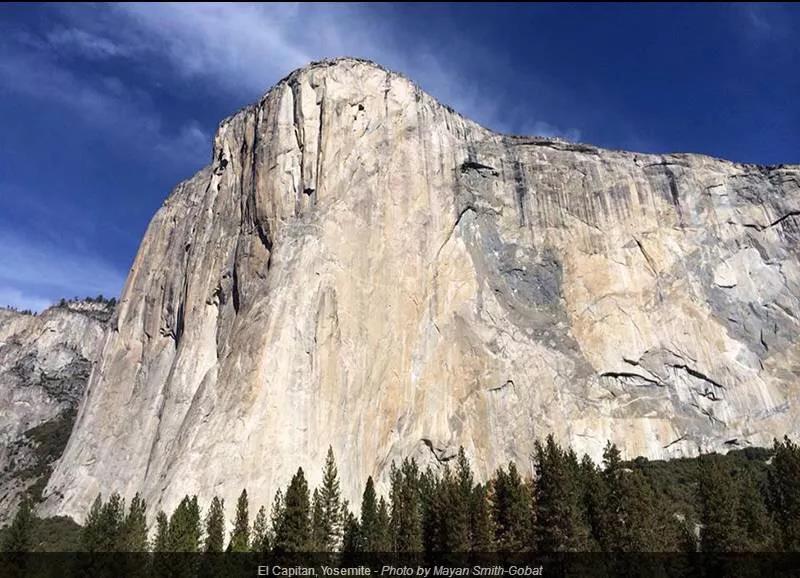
[361,266]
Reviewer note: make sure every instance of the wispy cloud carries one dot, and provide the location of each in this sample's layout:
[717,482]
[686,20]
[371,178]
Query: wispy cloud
[757,20]
[191,141]
[84,43]
[764,23]
[34,273]
[13,297]
[32,68]
[243,49]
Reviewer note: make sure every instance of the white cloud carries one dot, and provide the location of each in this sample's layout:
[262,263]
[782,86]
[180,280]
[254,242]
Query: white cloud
[243,49]
[239,46]
[84,43]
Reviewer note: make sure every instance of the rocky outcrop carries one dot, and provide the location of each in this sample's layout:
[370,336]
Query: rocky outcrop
[45,362]
[363,267]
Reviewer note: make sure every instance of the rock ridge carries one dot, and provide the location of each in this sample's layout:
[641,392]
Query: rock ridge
[45,361]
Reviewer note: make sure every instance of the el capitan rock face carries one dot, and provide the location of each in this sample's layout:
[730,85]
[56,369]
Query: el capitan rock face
[361,266]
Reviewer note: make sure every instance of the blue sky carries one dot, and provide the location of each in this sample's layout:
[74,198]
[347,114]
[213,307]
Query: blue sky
[105,108]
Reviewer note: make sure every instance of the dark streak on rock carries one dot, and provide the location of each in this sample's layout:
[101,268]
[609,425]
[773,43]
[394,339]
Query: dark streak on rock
[777,221]
[521,190]
[694,373]
[508,383]
[630,375]
[675,441]
[476,166]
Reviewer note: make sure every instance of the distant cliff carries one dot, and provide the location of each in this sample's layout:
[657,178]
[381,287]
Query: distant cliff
[363,267]
[45,361]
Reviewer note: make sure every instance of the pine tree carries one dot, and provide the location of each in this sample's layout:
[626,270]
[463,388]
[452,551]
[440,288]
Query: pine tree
[375,525]
[90,535]
[350,531]
[161,539]
[383,531]
[276,516]
[499,507]
[215,526]
[317,528]
[433,506]
[561,521]
[406,512]
[648,527]
[161,560]
[18,536]
[103,528]
[112,518]
[719,531]
[446,502]
[459,506]
[511,511]
[784,492]
[623,503]
[133,534]
[294,532]
[184,527]
[240,537]
[596,501]
[369,519]
[260,532]
[482,528]
[183,535]
[612,534]
[582,537]
[758,532]
[330,531]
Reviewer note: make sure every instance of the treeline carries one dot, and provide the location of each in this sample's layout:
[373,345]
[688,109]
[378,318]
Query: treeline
[101,299]
[17,310]
[566,504]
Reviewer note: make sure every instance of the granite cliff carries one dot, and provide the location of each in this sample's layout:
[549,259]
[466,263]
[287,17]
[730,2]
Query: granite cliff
[363,267]
[45,362]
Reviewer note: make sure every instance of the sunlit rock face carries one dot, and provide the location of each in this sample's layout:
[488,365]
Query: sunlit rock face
[45,362]
[362,267]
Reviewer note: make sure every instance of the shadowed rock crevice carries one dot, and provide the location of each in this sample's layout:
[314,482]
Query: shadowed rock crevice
[479,168]
[697,374]
[778,221]
[441,455]
[631,378]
